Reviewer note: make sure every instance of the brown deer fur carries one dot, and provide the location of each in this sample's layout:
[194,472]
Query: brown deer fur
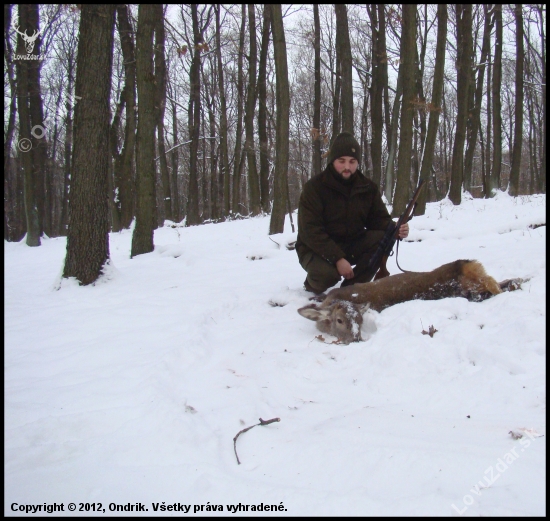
[461,278]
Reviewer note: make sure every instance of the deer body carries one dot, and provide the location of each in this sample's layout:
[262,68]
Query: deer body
[340,313]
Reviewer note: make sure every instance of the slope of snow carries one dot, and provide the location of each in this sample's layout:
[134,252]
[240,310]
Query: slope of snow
[131,391]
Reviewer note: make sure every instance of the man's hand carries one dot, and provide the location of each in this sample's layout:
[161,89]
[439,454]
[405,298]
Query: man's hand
[344,268]
[404,231]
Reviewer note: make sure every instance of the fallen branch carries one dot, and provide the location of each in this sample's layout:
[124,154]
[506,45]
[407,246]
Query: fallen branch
[262,422]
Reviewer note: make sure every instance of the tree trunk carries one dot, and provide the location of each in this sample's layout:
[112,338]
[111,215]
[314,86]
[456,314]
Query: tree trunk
[488,169]
[160,80]
[125,175]
[88,233]
[176,207]
[464,62]
[9,189]
[316,132]
[146,214]
[383,65]
[343,52]
[518,113]
[39,142]
[541,188]
[494,179]
[68,149]
[377,88]
[253,181]
[25,142]
[193,216]
[262,111]
[277,221]
[224,155]
[475,112]
[407,62]
[238,140]
[392,141]
[435,106]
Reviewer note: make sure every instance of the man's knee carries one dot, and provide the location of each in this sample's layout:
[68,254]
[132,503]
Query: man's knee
[320,274]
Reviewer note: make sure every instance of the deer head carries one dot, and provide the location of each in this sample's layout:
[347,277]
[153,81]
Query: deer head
[29,40]
[340,318]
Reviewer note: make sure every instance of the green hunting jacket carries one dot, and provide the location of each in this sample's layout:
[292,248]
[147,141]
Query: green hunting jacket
[332,214]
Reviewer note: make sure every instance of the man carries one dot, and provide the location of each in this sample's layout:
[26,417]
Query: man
[341,220]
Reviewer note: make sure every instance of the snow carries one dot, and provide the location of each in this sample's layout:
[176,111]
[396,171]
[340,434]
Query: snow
[131,392]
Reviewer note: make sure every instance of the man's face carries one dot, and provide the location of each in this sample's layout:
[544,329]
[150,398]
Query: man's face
[345,166]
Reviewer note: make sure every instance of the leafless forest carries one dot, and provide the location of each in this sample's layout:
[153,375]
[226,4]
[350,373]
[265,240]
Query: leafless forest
[202,113]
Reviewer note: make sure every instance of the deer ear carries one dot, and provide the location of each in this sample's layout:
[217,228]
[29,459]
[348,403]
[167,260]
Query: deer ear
[313,312]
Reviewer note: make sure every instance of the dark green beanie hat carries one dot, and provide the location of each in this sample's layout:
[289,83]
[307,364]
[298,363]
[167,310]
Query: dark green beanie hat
[344,145]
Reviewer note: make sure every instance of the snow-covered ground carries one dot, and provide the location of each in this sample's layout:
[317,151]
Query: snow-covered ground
[131,392]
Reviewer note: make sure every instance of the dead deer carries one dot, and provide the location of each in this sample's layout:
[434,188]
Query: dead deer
[341,312]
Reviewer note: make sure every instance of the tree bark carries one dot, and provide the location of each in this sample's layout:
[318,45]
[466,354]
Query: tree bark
[237,165]
[25,138]
[160,80]
[9,190]
[277,222]
[124,171]
[193,216]
[316,132]
[224,155]
[518,111]
[253,180]
[343,51]
[39,138]
[475,111]
[262,111]
[377,88]
[494,179]
[464,62]
[146,214]
[88,232]
[435,106]
[407,62]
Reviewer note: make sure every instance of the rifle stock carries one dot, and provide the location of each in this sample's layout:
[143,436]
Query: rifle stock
[378,261]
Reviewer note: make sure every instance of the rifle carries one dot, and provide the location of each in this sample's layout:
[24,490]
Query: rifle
[377,263]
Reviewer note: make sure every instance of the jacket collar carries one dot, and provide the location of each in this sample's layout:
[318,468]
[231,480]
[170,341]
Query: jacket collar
[361,184]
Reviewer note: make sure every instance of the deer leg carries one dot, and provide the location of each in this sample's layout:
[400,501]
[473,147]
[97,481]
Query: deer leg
[511,284]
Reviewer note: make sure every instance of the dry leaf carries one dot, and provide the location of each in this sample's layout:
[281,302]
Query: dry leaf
[431,331]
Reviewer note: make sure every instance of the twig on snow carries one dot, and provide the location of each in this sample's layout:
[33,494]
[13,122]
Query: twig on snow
[262,422]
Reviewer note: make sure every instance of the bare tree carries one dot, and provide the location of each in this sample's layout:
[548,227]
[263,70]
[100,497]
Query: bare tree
[238,157]
[518,124]
[377,89]
[253,180]
[10,174]
[224,155]
[276,224]
[262,110]
[475,111]
[194,115]
[146,215]
[25,138]
[124,169]
[160,102]
[463,63]
[434,106]
[88,232]
[344,67]
[407,64]
[494,179]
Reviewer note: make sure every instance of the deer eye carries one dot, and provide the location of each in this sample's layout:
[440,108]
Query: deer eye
[340,321]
